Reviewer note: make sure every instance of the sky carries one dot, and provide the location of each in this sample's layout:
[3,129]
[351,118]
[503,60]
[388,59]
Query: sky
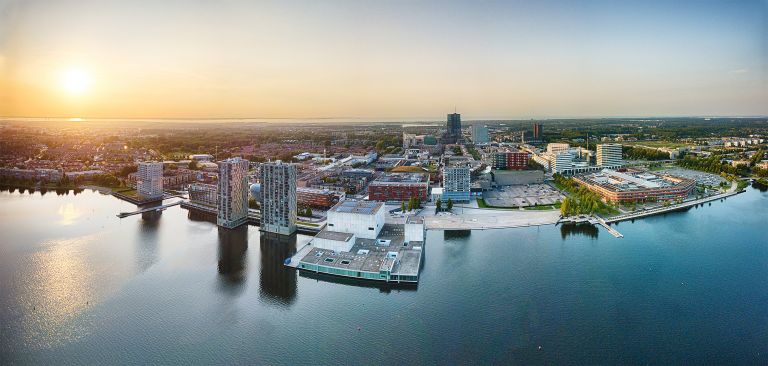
[382,59]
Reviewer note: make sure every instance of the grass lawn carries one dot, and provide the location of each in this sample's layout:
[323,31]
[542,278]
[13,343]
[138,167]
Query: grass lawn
[307,223]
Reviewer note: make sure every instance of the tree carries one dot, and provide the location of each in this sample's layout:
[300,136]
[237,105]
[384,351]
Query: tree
[411,203]
[402,206]
[565,207]
[192,165]
[438,205]
[450,204]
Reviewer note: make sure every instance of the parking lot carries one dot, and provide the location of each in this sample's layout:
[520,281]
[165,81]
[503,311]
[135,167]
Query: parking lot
[522,196]
[707,179]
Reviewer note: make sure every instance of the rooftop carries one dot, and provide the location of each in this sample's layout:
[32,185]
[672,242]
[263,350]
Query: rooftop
[334,235]
[402,178]
[363,207]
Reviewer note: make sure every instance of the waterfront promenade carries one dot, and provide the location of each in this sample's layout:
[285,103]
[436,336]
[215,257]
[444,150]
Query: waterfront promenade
[680,206]
[482,219]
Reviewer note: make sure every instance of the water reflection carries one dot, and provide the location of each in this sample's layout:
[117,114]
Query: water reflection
[146,245]
[233,247]
[383,287]
[588,230]
[278,282]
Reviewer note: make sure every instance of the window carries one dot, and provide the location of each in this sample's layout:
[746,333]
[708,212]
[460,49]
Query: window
[345,262]
[329,260]
[370,228]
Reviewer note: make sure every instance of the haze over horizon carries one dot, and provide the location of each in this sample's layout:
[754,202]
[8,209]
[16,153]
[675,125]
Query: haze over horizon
[383,60]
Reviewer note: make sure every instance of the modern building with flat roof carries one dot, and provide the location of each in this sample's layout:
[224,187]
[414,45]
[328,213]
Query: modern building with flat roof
[205,194]
[317,198]
[480,134]
[617,186]
[232,195]
[149,184]
[456,183]
[609,155]
[278,198]
[513,160]
[393,255]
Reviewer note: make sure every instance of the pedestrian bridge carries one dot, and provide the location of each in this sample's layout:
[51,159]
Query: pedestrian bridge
[148,209]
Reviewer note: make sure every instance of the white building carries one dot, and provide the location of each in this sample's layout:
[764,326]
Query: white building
[232,193]
[278,197]
[149,181]
[479,134]
[363,219]
[562,162]
[609,155]
[554,148]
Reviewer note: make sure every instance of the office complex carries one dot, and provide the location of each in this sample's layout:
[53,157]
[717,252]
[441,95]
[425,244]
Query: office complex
[480,134]
[232,195]
[278,198]
[636,186]
[149,181]
[454,124]
[609,155]
[514,160]
[399,187]
[456,183]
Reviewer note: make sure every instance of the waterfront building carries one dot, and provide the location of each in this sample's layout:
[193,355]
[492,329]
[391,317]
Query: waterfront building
[363,219]
[609,155]
[278,202]
[399,187]
[480,134]
[149,184]
[636,186]
[232,197]
[204,194]
[357,243]
[456,183]
[510,160]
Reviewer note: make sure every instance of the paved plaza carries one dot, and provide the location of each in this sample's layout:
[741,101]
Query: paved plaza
[522,196]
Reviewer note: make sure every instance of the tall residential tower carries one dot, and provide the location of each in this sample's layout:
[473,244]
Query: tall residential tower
[232,193]
[278,198]
[149,182]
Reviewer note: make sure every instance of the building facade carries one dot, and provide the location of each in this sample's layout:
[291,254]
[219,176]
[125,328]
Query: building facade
[399,187]
[232,196]
[609,155]
[456,184]
[278,198]
[514,160]
[480,134]
[317,198]
[454,124]
[205,194]
[149,184]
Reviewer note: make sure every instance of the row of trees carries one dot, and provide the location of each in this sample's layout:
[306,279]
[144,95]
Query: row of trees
[641,153]
[439,205]
[413,203]
[582,200]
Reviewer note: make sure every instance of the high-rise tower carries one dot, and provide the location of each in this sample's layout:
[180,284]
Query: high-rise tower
[278,198]
[232,195]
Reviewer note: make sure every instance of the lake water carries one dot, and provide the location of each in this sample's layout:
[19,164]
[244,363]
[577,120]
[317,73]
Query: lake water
[80,286]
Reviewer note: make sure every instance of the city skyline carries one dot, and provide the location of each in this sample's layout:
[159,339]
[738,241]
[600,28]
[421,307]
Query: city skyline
[393,60]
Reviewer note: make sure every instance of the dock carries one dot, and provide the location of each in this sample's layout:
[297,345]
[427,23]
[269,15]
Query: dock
[600,221]
[148,209]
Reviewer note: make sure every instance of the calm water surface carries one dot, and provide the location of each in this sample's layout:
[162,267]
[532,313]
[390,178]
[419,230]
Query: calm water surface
[80,286]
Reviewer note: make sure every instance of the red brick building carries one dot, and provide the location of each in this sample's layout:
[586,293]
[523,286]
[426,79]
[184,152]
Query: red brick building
[510,160]
[399,187]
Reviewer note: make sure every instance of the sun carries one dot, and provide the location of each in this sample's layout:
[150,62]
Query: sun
[75,81]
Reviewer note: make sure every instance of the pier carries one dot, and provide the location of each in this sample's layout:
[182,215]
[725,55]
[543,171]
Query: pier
[148,209]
